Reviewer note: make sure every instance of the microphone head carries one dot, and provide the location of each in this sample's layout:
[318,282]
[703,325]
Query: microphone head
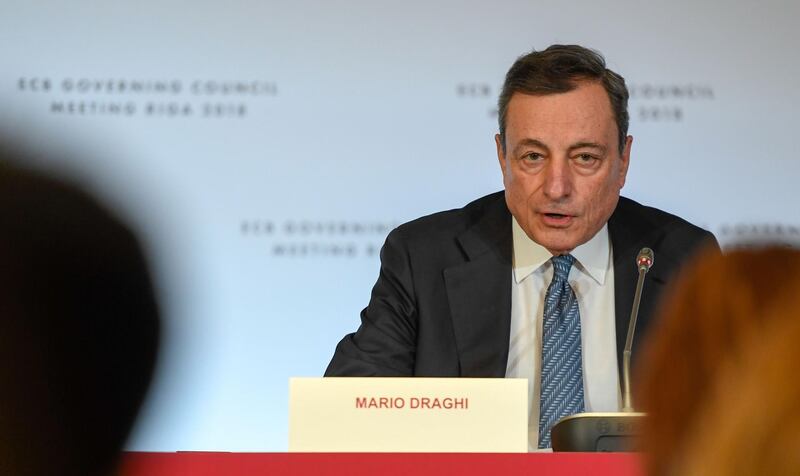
[645,259]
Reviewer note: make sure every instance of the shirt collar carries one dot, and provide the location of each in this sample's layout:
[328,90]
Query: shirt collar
[592,257]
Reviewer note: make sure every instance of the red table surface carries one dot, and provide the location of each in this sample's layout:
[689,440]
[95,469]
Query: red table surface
[383,464]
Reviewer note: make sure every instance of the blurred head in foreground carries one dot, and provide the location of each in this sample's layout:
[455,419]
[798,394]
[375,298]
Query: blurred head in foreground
[718,310]
[79,328]
[750,424]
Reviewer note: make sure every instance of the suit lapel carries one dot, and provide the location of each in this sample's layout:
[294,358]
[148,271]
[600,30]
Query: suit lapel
[479,294]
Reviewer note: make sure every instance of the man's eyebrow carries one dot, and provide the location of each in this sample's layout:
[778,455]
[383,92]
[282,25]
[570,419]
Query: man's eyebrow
[531,143]
[588,145]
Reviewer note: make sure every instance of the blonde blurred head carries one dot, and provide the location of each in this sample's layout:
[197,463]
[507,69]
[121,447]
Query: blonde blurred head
[719,308]
[751,422]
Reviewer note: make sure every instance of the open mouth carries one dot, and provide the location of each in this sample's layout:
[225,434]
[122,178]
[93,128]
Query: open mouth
[558,220]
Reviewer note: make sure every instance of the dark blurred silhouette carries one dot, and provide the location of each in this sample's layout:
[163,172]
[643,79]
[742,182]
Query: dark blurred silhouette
[718,309]
[79,327]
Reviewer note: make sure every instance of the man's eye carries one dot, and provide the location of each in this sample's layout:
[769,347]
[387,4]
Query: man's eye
[532,156]
[585,158]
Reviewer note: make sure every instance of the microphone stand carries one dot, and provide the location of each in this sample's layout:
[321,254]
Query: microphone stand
[644,261]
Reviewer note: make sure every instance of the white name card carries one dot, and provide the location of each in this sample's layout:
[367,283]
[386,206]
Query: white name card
[408,415]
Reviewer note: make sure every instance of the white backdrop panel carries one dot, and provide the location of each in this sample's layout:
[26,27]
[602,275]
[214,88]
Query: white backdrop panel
[264,150]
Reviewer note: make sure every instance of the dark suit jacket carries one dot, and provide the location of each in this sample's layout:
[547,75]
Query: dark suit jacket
[442,304]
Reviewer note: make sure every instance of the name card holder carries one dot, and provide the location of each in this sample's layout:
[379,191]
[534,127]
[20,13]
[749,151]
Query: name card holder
[431,415]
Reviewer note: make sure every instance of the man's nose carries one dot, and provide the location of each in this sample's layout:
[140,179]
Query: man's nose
[558,179]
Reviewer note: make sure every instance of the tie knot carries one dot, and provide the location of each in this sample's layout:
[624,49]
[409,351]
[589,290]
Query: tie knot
[562,265]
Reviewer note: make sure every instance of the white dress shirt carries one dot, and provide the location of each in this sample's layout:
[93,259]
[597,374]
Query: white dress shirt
[592,280]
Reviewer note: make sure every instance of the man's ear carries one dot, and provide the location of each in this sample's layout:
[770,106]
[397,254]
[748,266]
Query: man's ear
[625,157]
[501,154]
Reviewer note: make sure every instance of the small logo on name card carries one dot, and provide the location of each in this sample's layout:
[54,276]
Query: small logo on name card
[603,427]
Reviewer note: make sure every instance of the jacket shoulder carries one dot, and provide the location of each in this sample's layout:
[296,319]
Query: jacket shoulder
[633,211]
[659,229]
[449,224]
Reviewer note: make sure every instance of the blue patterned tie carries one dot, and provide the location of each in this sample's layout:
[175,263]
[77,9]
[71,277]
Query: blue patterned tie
[562,374]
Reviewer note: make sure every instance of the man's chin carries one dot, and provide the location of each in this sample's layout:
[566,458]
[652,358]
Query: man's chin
[558,248]
[557,252]
[556,245]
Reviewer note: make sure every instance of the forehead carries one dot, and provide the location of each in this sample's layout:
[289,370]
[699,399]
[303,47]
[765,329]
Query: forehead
[581,114]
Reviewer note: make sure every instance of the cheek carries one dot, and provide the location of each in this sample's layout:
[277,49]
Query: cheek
[521,190]
[605,184]
[604,198]
[523,183]
[517,197]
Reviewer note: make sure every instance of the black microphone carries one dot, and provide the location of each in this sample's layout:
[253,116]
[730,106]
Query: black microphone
[612,431]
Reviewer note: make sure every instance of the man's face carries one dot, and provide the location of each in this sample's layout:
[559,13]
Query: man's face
[562,168]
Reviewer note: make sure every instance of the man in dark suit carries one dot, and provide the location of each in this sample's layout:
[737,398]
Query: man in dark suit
[462,292]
